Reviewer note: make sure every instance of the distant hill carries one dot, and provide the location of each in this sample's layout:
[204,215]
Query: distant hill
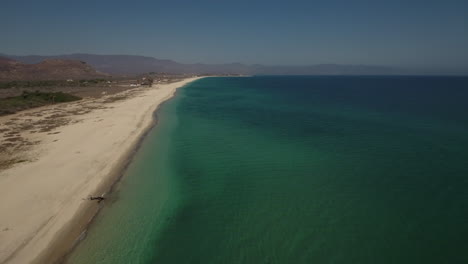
[129,64]
[48,69]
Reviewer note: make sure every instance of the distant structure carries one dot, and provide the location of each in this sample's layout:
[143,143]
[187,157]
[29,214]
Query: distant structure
[146,81]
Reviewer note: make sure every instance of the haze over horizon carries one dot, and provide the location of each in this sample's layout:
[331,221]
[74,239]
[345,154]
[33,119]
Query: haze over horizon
[430,35]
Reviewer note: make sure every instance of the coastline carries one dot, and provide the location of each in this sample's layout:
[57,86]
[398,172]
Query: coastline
[47,212]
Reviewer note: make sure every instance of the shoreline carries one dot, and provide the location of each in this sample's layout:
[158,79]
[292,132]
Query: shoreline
[55,239]
[81,232]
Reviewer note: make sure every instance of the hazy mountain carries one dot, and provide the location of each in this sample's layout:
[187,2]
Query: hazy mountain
[129,64]
[48,69]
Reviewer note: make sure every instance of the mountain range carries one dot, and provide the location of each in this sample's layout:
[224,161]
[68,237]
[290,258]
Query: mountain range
[131,64]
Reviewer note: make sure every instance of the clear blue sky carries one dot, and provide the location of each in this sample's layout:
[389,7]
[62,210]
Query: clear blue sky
[430,34]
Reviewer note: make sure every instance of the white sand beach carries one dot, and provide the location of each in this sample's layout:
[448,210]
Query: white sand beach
[43,205]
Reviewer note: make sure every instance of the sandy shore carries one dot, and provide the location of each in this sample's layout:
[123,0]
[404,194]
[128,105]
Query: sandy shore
[78,152]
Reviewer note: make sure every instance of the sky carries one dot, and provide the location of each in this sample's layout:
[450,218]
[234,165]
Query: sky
[413,34]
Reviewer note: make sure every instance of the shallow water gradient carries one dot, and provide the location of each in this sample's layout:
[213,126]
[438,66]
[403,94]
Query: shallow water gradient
[296,170]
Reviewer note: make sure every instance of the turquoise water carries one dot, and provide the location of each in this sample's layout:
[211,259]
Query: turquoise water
[296,170]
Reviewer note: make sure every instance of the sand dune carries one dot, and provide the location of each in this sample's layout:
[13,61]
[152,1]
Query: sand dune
[43,202]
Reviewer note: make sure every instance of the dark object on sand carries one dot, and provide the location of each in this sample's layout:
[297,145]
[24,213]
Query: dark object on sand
[98,198]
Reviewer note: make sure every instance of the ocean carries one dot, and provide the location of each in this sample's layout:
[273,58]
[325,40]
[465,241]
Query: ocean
[304,169]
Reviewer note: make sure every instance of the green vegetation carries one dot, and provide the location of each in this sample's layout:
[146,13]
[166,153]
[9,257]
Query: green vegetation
[28,100]
[93,81]
[49,83]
